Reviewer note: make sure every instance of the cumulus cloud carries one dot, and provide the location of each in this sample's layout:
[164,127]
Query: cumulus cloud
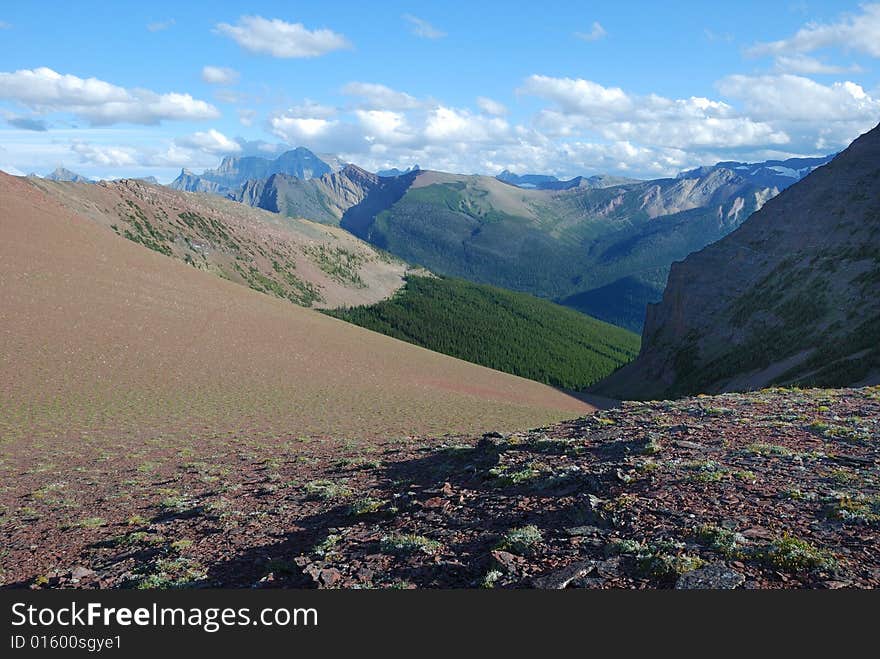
[281,39]
[219,75]
[210,141]
[797,98]
[818,117]
[653,119]
[596,32]
[98,102]
[490,106]
[858,32]
[379,96]
[578,96]
[105,156]
[315,126]
[422,28]
[456,125]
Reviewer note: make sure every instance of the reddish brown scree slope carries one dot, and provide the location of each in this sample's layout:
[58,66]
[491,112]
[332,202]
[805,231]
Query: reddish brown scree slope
[99,334]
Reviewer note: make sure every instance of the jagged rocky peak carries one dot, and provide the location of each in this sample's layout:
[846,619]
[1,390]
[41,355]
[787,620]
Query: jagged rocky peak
[64,174]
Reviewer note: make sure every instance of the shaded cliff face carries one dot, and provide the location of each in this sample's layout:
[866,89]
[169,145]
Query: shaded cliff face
[324,199]
[791,297]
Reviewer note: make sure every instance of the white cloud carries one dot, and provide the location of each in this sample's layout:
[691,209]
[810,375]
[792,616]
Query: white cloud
[575,96]
[210,141]
[5,26]
[246,117]
[804,64]
[422,28]
[490,106]
[313,126]
[583,105]
[159,26]
[860,32]
[219,75]
[596,32]
[105,156]
[281,39]
[796,98]
[819,118]
[385,127]
[99,102]
[380,97]
[455,125]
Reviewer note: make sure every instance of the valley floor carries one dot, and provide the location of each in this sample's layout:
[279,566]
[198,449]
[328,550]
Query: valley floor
[771,489]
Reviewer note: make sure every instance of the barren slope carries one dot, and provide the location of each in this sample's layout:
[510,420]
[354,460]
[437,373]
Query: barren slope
[100,333]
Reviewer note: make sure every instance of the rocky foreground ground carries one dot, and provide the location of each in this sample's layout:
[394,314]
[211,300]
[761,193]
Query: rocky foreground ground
[771,489]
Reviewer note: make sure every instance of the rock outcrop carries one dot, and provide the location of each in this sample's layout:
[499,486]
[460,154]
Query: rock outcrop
[790,297]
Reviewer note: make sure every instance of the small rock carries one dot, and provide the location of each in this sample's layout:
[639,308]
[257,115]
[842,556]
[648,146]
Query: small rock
[609,569]
[81,572]
[680,443]
[506,561]
[329,577]
[434,502]
[711,577]
[559,579]
[313,570]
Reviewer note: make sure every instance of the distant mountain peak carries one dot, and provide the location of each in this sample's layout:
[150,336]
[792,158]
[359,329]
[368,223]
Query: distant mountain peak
[394,171]
[233,171]
[778,174]
[64,174]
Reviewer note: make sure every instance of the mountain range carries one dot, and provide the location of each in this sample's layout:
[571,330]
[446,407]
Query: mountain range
[236,170]
[548,182]
[601,245]
[792,296]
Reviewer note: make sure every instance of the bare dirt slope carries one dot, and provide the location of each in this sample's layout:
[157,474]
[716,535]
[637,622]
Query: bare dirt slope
[310,264]
[99,332]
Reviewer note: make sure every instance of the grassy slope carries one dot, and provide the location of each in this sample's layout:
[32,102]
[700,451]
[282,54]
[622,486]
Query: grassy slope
[512,332]
[104,340]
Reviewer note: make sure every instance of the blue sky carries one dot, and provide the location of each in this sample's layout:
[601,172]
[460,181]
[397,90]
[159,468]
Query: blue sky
[641,88]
